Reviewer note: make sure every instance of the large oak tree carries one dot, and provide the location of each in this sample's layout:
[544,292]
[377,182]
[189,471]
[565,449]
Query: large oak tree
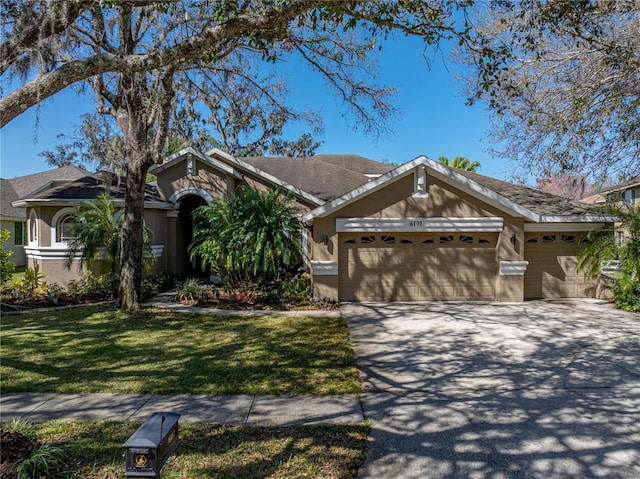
[134,53]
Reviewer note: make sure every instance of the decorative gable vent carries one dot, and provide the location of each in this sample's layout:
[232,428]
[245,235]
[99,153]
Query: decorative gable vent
[191,166]
[420,187]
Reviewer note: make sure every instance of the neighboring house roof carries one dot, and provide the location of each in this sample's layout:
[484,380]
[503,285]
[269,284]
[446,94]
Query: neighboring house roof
[87,188]
[324,176]
[13,189]
[517,200]
[593,199]
[627,185]
[7,196]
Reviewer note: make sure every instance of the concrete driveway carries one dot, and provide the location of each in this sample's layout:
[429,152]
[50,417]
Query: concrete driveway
[495,390]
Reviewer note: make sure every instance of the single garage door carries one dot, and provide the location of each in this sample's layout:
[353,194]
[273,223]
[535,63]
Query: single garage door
[416,267]
[551,272]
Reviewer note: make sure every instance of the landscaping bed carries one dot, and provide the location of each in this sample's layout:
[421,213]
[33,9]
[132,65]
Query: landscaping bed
[93,449]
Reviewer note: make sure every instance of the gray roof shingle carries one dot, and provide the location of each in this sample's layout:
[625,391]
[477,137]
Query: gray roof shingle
[324,176]
[539,202]
[16,188]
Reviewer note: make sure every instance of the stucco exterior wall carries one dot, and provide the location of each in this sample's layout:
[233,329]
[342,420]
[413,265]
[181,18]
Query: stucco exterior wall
[17,251]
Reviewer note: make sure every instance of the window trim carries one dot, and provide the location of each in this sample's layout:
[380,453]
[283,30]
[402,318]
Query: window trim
[60,215]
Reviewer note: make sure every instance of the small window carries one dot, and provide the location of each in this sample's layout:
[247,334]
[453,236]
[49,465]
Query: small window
[19,233]
[388,239]
[64,228]
[549,239]
[446,239]
[466,239]
[533,240]
[33,227]
[405,241]
[568,239]
[429,241]
[367,239]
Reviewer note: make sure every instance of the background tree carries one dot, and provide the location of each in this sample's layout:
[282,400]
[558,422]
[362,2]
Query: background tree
[459,162]
[567,185]
[562,81]
[248,236]
[133,54]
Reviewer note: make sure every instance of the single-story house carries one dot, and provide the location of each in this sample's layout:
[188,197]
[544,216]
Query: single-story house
[373,231]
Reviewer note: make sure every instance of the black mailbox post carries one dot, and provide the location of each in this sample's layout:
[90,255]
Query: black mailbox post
[151,445]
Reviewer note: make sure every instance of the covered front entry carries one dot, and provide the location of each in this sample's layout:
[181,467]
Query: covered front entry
[416,267]
[551,272]
[184,234]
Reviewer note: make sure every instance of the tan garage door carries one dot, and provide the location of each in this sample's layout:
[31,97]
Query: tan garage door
[551,270]
[416,267]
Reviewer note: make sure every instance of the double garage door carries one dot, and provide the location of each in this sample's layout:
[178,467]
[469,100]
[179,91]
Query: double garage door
[416,267]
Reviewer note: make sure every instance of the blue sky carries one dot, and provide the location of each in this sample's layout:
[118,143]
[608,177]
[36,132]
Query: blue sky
[434,119]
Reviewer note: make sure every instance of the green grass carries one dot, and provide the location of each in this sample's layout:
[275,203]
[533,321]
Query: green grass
[93,449]
[95,349]
[17,274]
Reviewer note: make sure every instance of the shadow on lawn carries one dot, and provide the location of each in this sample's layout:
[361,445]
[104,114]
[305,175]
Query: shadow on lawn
[158,351]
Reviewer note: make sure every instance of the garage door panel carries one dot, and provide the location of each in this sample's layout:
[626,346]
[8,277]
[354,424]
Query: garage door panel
[413,271]
[551,272]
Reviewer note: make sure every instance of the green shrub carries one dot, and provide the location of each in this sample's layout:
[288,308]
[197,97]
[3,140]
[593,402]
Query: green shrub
[192,290]
[295,290]
[7,267]
[32,284]
[43,462]
[92,287]
[155,284]
[626,293]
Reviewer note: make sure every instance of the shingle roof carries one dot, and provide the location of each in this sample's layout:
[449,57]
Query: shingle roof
[15,188]
[324,176]
[539,202]
[89,187]
[633,182]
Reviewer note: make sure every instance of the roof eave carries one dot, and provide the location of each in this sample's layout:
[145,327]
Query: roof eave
[174,158]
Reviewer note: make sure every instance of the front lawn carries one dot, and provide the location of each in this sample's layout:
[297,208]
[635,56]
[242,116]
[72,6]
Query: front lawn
[93,450]
[96,349]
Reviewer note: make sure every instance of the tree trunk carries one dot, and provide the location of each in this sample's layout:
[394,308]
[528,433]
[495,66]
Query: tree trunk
[131,241]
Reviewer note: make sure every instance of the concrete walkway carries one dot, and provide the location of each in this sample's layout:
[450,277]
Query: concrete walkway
[164,300]
[237,410]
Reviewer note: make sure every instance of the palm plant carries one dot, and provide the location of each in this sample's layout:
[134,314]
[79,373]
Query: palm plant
[459,162]
[97,228]
[248,236]
[599,247]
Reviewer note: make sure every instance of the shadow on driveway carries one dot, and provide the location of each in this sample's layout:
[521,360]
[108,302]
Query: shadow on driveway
[490,390]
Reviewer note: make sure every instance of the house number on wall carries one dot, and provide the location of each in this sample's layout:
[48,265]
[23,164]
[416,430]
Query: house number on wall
[415,223]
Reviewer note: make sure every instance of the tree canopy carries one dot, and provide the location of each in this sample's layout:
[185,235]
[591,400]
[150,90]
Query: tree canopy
[562,81]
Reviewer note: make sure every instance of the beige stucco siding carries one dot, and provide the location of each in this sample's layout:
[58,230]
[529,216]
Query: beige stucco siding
[410,269]
[175,179]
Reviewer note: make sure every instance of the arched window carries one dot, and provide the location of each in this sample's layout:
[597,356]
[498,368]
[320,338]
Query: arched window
[64,228]
[33,227]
